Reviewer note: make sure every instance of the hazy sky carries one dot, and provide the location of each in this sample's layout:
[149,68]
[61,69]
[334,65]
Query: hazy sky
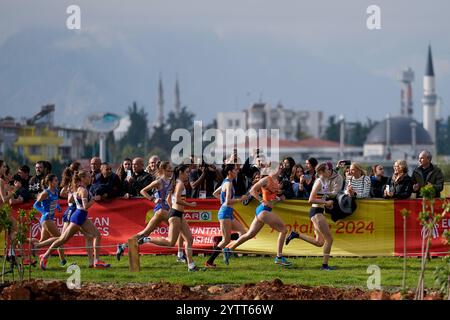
[227,54]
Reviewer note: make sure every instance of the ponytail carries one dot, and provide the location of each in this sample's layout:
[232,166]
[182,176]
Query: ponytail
[48,178]
[161,167]
[227,169]
[77,179]
[176,174]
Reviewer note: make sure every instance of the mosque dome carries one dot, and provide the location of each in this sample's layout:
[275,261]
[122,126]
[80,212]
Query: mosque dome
[400,132]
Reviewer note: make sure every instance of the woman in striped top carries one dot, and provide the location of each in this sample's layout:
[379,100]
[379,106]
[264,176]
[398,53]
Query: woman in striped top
[358,184]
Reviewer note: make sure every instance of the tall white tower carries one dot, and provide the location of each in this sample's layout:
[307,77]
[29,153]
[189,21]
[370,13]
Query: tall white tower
[177,104]
[160,112]
[406,78]
[429,99]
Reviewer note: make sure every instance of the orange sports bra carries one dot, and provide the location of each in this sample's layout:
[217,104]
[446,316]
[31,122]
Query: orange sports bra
[271,190]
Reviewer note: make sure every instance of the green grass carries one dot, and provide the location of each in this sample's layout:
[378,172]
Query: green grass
[305,271]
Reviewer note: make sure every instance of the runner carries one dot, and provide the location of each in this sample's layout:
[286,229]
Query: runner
[79,220]
[177,224]
[225,215]
[161,210]
[46,203]
[317,197]
[67,193]
[270,189]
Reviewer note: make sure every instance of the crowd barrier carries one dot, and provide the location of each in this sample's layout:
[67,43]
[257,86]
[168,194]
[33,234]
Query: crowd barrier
[375,229]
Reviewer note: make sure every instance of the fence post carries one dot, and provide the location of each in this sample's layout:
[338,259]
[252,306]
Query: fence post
[133,255]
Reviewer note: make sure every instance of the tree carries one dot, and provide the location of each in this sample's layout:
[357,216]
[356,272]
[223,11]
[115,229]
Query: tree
[184,120]
[443,137]
[332,131]
[138,131]
[133,142]
[300,134]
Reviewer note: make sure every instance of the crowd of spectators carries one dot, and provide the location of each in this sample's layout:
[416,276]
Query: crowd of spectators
[296,179]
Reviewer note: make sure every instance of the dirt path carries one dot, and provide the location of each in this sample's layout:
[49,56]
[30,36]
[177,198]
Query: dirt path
[264,290]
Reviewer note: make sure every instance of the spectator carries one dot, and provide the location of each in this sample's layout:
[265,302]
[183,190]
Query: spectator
[400,185]
[297,178]
[21,194]
[37,181]
[257,160]
[96,162]
[47,167]
[6,193]
[358,184]
[152,166]
[335,181]
[287,164]
[204,180]
[427,174]
[138,180]
[310,174]
[285,178]
[24,173]
[106,184]
[124,170]
[378,181]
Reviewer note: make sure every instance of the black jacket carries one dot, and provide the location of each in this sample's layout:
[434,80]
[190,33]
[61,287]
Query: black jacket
[435,177]
[111,186]
[249,170]
[402,188]
[140,181]
[377,186]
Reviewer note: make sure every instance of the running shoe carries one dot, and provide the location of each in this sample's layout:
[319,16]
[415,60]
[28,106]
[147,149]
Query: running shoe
[292,235]
[141,240]
[226,255]
[194,269]
[120,250]
[282,261]
[101,265]
[63,262]
[210,265]
[327,268]
[43,262]
[182,259]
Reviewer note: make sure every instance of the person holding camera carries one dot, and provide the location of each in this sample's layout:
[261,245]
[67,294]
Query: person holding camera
[203,180]
[297,181]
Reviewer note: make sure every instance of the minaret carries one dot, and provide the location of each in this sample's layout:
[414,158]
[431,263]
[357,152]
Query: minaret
[429,99]
[160,113]
[406,78]
[177,104]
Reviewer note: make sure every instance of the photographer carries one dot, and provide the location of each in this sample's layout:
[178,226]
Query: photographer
[203,180]
[257,160]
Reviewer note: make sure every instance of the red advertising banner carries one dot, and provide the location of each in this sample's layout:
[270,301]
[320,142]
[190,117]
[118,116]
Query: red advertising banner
[414,229]
[120,219]
[375,229]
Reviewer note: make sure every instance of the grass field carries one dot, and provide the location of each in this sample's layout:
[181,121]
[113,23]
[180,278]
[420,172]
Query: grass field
[350,271]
